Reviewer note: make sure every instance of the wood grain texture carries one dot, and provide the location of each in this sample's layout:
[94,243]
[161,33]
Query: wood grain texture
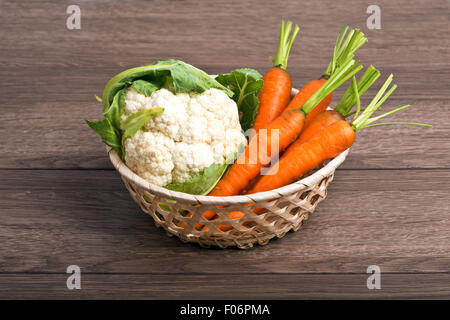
[51,75]
[388,204]
[395,219]
[220,286]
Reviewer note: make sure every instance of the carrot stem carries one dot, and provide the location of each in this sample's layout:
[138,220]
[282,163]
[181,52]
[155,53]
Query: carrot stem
[352,113]
[376,102]
[348,99]
[364,120]
[371,120]
[344,49]
[337,45]
[285,44]
[393,123]
[358,101]
[341,74]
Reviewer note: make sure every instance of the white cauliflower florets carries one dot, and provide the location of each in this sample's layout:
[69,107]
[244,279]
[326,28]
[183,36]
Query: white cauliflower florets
[153,164]
[194,131]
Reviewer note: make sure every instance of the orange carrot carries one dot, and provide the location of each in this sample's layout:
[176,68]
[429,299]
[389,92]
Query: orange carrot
[305,93]
[274,96]
[276,92]
[330,142]
[317,125]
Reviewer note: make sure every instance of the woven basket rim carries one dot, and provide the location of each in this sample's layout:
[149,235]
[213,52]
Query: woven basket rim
[303,183]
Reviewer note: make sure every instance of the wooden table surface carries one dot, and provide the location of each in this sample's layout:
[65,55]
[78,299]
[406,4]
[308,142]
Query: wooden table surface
[62,203]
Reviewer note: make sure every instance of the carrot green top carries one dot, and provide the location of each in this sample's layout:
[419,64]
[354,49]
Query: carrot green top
[344,51]
[285,44]
[363,118]
[348,99]
[337,78]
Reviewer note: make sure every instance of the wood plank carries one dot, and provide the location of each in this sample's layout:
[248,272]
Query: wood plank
[397,219]
[225,286]
[215,44]
[62,70]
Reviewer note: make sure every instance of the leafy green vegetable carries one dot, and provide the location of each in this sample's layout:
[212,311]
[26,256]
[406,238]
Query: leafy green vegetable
[202,183]
[246,84]
[144,87]
[174,75]
[115,110]
[107,133]
[135,121]
[206,180]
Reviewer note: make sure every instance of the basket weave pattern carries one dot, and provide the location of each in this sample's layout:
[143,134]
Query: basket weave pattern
[178,213]
[285,208]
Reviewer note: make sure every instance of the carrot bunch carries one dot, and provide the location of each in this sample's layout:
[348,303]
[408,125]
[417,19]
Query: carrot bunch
[277,116]
[301,133]
[328,135]
[320,122]
[286,127]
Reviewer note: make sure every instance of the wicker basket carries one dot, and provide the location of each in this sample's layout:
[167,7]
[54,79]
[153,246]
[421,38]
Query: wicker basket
[286,207]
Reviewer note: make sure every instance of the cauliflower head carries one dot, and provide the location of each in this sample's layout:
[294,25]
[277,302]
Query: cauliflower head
[194,132]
